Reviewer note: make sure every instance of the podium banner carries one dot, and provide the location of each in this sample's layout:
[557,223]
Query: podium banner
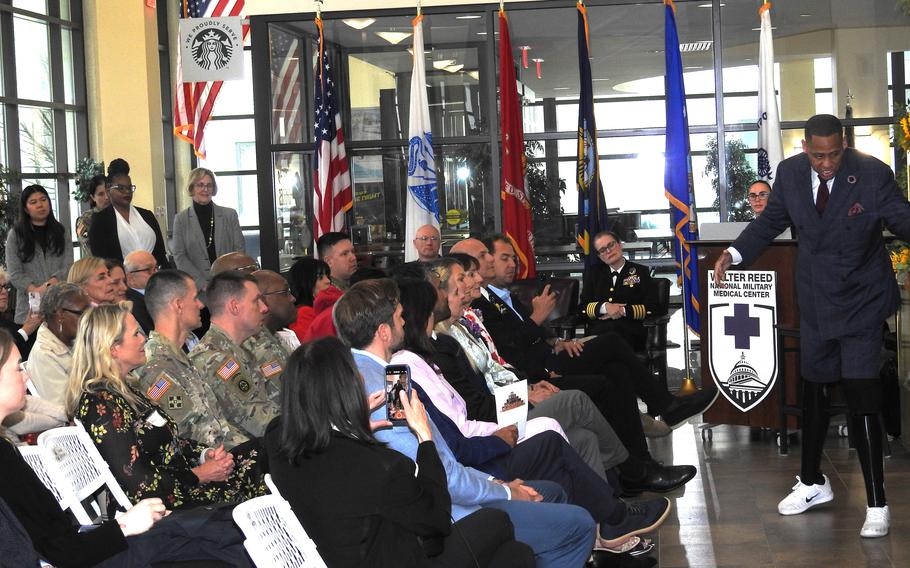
[742,339]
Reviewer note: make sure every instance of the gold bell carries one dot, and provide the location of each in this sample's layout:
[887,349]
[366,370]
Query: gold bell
[688,386]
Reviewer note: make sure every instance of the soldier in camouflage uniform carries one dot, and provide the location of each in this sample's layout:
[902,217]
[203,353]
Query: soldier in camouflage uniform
[267,350]
[168,378]
[239,385]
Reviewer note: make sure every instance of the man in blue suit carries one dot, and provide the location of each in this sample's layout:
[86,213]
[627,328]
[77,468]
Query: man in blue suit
[838,199]
[368,317]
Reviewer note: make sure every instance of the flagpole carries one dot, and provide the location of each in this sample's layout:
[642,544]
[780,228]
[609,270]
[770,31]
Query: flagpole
[685,315]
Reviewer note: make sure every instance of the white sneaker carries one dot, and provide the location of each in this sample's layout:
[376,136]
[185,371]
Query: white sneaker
[878,521]
[804,497]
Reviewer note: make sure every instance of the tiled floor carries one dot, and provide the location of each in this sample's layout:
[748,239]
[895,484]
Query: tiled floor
[727,516]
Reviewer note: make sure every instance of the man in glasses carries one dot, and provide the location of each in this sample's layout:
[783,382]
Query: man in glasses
[139,266]
[617,294]
[759,192]
[269,351]
[427,241]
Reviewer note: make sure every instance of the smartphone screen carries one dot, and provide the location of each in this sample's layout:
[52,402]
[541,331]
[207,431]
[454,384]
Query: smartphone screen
[397,381]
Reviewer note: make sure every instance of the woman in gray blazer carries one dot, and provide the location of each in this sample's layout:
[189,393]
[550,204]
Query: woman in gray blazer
[204,231]
[39,251]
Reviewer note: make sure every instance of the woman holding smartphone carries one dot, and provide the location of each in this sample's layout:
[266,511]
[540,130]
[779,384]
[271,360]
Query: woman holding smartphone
[38,251]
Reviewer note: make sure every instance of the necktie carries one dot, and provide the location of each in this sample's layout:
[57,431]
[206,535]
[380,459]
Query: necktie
[615,278]
[821,198]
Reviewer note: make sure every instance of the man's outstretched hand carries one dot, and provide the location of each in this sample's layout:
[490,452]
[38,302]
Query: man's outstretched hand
[724,261]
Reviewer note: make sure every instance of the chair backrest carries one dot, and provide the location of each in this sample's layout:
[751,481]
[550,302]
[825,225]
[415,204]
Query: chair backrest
[79,466]
[36,457]
[274,536]
[662,291]
[566,290]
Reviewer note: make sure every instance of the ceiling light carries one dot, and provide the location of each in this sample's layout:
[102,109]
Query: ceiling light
[710,5]
[394,37]
[455,68]
[560,88]
[443,63]
[694,46]
[604,79]
[805,15]
[759,29]
[359,23]
[470,17]
[481,33]
[693,67]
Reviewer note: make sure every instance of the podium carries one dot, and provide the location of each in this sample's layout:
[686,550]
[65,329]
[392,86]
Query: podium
[779,256]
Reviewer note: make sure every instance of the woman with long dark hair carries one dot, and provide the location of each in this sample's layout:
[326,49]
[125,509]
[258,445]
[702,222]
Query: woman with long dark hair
[37,249]
[98,199]
[307,277]
[362,503]
[122,228]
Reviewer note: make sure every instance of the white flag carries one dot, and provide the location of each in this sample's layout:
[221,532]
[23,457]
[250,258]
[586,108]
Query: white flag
[770,149]
[422,198]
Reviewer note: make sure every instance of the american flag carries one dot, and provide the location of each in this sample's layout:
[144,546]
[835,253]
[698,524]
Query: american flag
[332,195]
[285,61]
[193,102]
[158,389]
[229,369]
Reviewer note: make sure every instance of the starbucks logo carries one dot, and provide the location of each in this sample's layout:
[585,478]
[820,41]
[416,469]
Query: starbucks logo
[211,49]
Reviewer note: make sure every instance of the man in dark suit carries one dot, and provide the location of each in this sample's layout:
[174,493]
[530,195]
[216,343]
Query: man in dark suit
[139,266]
[839,199]
[533,349]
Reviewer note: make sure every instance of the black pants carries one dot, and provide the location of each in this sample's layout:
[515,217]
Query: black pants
[864,403]
[611,348]
[614,396]
[548,456]
[203,533]
[484,538]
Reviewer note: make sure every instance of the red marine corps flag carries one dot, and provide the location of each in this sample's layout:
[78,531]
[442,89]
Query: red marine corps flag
[516,205]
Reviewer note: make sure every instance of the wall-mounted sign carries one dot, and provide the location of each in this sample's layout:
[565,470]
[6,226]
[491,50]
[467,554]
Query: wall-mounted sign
[211,49]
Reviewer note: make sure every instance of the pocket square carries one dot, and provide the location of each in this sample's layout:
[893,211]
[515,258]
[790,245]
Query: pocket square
[855,209]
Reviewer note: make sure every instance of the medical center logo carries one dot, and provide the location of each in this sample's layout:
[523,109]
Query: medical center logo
[212,49]
[743,340]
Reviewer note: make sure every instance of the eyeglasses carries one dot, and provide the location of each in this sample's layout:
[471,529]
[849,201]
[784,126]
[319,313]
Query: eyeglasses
[6,288]
[124,188]
[286,291]
[425,238]
[203,185]
[151,269]
[608,248]
[758,196]
[77,313]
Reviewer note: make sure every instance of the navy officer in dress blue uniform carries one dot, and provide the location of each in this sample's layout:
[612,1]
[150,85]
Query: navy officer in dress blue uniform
[839,200]
[617,294]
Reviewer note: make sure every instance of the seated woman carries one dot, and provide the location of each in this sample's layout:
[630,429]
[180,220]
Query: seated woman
[139,537]
[93,276]
[117,276]
[138,439]
[362,503]
[52,358]
[307,277]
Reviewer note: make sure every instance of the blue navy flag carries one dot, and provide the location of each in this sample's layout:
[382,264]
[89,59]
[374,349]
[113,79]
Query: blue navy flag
[678,172]
[592,207]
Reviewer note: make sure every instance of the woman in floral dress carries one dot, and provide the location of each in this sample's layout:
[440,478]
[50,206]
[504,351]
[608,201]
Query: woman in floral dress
[139,440]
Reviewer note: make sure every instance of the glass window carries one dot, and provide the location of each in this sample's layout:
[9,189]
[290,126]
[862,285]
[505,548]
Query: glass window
[288,125]
[36,139]
[236,97]
[293,184]
[38,6]
[33,76]
[239,192]
[230,145]
[69,88]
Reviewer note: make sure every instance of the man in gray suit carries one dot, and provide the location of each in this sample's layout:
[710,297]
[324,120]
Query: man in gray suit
[839,200]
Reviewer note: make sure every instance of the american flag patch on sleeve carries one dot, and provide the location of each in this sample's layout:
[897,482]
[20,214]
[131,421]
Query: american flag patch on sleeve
[157,390]
[271,369]
[229,369]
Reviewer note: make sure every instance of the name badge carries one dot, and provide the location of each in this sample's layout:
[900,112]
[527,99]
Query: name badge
[156,420]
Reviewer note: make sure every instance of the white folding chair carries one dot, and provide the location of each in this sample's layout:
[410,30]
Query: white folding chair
[274,536]
[79,470]
[36,457]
